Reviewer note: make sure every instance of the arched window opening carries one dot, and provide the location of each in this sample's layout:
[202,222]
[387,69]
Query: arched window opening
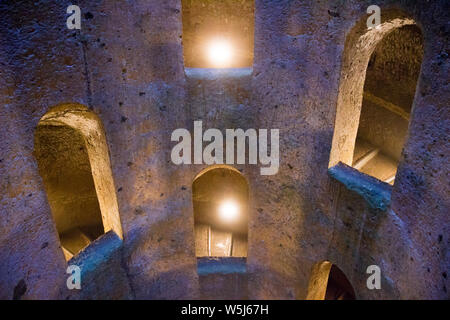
[328,282]
[73,161]
[218,34]
[379,75]
[220,200]
[389,91]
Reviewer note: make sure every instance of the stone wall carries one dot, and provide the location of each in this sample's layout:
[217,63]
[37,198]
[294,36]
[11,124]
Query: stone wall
[307,217]
[126,65]
[42,65]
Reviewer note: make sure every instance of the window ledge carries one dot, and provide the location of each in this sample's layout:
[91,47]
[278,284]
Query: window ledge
[97,252]
[221,265]
[216,74]
[375,192]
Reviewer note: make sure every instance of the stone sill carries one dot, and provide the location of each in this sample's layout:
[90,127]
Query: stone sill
[376,193]
[221,265]
[97,252]
[216,74]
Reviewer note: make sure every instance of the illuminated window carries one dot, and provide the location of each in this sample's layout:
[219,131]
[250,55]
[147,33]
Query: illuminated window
[220,198]
[218,34]
[376,94]
[73,161]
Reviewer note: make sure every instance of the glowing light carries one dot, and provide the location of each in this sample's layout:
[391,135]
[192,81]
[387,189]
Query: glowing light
[229,211]
[220,53]
[221,245]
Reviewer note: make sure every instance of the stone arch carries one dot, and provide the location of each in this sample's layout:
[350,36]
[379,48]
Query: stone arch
[360,44]
[328,282]
[211,189]
[73,160]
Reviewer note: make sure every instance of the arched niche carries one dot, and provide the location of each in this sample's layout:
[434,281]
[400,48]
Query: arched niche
[328,282]
[73,161]
[217,234]
[380,68]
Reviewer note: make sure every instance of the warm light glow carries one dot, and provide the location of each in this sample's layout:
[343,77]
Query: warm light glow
[220,245]
[229,211]
[220,53]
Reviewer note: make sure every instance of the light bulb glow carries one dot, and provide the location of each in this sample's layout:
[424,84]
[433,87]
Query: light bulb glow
[229,211]
[220,53]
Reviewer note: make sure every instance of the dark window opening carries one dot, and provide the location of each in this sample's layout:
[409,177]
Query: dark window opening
[338,287]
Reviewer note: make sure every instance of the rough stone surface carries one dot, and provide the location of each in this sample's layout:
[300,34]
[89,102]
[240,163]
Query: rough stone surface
[223,278]
[375,192]
[126,65]
[102,273]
